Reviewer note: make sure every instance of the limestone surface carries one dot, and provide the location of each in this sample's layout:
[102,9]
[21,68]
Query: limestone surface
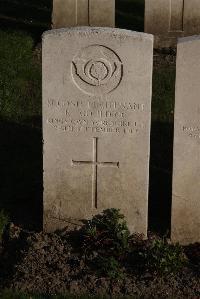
[170,19]
[186,185]
[96,124]
[67,13]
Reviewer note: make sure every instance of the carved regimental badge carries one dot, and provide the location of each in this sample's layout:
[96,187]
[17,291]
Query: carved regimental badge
[97,70]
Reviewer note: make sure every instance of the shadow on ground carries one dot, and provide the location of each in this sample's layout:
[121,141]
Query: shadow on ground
[160,184]
[130,14]
[32,16]
[21,174]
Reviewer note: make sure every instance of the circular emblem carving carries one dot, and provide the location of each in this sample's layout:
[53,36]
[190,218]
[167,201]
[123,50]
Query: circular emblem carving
[97,70]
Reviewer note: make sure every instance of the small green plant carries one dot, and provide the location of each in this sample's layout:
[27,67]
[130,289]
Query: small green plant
[4,220]
[106,242]
[164,258]
[107,231]
[110,267]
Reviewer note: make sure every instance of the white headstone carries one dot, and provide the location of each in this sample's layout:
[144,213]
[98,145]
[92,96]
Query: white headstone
[169,19]
[186,183]
[67,13]
[96,124]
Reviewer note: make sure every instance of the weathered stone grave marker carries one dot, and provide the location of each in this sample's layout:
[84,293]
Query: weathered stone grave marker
[169,19]
[67,13]
[186,183]
[96,124]
[95,164]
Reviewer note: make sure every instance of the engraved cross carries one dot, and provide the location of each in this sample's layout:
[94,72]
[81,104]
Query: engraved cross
[95,164]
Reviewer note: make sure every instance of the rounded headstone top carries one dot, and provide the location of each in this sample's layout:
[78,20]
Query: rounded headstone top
[85,30]
[189,39]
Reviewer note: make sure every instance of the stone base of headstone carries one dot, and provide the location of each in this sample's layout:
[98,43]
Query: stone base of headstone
[51,223]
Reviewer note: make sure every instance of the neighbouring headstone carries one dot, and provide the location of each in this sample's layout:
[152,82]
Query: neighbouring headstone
[96,124]
[68,13]
[186,169]
[169,19]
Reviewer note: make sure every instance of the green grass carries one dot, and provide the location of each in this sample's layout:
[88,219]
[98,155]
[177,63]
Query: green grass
[20,78]
[20,128]
[37,13]
[163,94]
[4,220]
[31,16]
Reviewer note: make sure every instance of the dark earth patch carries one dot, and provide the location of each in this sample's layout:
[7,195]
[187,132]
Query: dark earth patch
[42,263]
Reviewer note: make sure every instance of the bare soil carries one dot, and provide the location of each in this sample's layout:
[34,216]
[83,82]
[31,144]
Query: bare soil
[43,263]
